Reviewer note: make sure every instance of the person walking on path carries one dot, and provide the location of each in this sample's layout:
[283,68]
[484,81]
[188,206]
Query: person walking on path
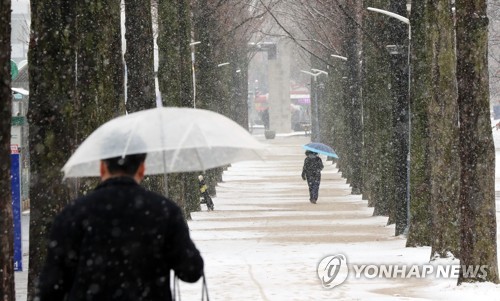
[204,193]
[312,173]
[119,242]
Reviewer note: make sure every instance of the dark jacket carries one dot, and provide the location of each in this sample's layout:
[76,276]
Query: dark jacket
[312,168]
[119,242]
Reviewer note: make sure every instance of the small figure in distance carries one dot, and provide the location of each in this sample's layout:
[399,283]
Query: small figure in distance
[204,193]
[265,118]
[312,173]
[118,242]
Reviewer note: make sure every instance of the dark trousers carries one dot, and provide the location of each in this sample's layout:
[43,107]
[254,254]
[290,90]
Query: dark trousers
[313,188]
[208,200]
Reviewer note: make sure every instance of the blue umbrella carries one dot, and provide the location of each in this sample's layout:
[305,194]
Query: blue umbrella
[320,148]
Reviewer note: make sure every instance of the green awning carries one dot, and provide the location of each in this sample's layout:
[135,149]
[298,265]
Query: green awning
[13,69]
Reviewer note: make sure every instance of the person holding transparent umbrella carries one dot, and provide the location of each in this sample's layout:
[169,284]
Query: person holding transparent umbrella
[311,172]
[118,242]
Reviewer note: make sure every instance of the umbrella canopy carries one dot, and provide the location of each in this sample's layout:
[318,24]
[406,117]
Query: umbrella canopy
[320,148]
[175,139]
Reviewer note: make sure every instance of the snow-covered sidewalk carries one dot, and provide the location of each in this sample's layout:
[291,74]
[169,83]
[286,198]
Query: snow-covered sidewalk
[264,240]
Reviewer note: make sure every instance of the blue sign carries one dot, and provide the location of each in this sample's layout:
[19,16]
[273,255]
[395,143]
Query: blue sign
[16,208]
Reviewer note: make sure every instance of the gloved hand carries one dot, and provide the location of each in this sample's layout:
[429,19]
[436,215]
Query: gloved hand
[303,177]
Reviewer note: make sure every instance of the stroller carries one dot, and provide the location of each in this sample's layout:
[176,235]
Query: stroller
[204,193]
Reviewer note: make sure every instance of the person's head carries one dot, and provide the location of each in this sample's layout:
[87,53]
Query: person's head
[311,154]
[130,166]
[200,177]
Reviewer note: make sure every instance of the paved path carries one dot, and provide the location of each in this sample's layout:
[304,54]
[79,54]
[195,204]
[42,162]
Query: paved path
[265,239]
[21,278]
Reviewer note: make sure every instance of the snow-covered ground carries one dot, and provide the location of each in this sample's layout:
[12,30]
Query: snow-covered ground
[264,240]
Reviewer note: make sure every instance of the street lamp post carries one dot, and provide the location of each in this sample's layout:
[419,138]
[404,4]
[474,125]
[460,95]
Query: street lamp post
[192,44]
[316,102]
[407,22]
[320,89]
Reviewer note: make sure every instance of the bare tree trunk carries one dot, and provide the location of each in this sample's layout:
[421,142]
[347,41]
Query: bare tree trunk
[239,84]
[175,56]
[377,112]
[337,94]
[99,89]
[206,73]
[51,72]
[353,74]
[7,291]
[478,225]
[204,25]
[139,56]
[435,167]
[100,69]
[420,229]
[175,76]
[398,35]
[443,130]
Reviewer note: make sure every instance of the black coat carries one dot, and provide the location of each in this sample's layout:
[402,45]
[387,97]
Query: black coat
[312,168]
[119,242]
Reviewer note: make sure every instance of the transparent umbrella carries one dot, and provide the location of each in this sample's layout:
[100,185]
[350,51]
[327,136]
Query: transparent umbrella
[175,139]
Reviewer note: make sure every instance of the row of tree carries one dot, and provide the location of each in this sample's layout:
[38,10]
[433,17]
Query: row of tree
[410,119]
[79,78]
